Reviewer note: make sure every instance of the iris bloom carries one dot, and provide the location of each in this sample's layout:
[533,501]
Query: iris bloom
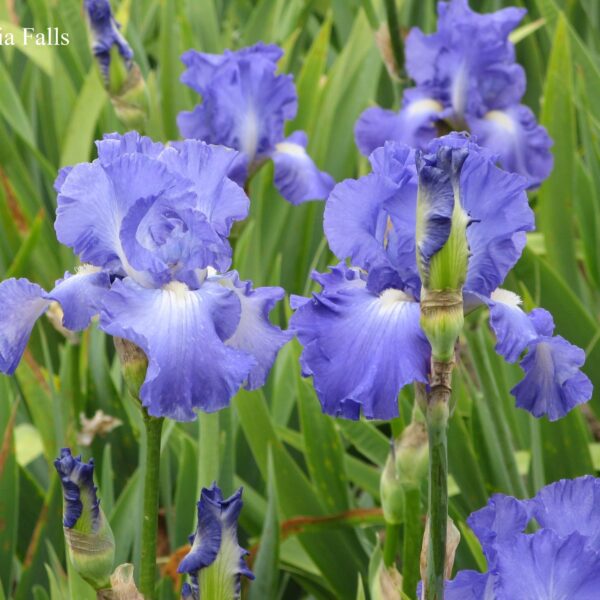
[361,334]
[106,35]
[245,105]
[560,560]
[89,539]
[150,223]
[465,75]
[215,562]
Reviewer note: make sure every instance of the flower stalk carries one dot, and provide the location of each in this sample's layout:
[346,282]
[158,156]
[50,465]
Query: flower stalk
[150,515]
[438,412]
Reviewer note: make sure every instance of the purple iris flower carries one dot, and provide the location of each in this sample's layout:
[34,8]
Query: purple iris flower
[465,76]
[106,33]
[361,334]
[560,560]
[245,105]
[215,561]
[151,223]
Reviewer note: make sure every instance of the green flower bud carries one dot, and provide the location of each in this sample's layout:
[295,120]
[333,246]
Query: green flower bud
[405,469]
[134,364]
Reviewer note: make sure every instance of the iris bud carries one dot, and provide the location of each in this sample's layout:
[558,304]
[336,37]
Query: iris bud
[88,536]
[405,468]
[134,364]
[442,248]
[121,75]
[215,562]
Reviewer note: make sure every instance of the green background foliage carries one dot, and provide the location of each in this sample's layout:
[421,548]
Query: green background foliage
[311,483]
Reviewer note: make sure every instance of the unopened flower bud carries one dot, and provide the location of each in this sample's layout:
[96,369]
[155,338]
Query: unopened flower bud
[442,247]
[386,583]
[134,364]
[405,468]
[121,75]
[215,562]
[88,536]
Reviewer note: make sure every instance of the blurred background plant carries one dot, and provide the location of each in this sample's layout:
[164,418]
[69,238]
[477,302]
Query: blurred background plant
[312,511]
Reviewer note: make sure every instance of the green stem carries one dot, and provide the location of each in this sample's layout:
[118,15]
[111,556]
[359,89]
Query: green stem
[394,29]
[413,535]
[437,427]
[150,517]
[392,534]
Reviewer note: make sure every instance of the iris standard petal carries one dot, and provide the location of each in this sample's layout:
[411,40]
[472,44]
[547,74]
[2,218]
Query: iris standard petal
[570,505]
[514,134]
[502,518]
[95,198]
[361,348]
[467,62]
[245,104]
[296,176]
[114,145]
[220,199]
[553,383]
[21,304]
[545,566]
[497,205]
[255,334]
[182,332]
[80,296]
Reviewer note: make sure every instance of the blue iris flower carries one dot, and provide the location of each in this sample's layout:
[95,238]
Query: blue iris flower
[560,560]
[245,105]
[106,34]
[465,75]
[215,561]
[151,222]
[361,334]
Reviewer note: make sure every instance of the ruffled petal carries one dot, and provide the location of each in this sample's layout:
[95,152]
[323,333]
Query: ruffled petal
[114,145]
[94,199]
[361,348]
[182,332]
[467,64]
[80,296]
[502,518]
[497,205]
[413,125]
[296,176]
[570,505]
[371,220]
[523,145]
[514,329]
[21,304]
[255,334]
[245,102]
[553,384]
[546,566]
[208,167]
